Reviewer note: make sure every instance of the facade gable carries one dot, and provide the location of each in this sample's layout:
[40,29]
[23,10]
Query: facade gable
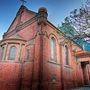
[22,16]
[40,59]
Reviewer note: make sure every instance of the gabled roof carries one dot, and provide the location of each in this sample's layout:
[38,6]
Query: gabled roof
[30,15]
[16,22]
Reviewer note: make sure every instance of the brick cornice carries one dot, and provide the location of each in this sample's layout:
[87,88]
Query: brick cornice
[12,40]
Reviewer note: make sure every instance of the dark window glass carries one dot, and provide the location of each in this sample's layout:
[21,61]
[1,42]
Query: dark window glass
[66,55]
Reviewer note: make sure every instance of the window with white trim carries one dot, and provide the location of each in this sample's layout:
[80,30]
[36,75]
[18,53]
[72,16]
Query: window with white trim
[52,48]
[1,53]
[12,53]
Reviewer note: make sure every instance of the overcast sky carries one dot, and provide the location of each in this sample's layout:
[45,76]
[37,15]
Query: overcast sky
[57,10]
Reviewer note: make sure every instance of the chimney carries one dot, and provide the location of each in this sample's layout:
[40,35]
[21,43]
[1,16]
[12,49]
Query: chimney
[42,16]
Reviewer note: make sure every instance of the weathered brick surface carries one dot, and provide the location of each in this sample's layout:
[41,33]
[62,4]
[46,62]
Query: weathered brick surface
[38,71]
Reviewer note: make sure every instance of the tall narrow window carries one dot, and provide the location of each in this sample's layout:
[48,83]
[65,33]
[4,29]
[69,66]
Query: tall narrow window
[53,48]
[1,53]
[27,54]
[66,55]
[12,53]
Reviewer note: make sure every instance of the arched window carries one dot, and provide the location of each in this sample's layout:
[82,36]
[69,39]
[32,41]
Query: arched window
[66,55]
[12,53]
[53,48]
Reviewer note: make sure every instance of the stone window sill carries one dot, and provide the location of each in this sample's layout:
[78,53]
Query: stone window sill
[53,62]
[67,66]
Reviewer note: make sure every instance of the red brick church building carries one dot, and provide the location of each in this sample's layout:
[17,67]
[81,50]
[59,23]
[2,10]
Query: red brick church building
[35,55]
